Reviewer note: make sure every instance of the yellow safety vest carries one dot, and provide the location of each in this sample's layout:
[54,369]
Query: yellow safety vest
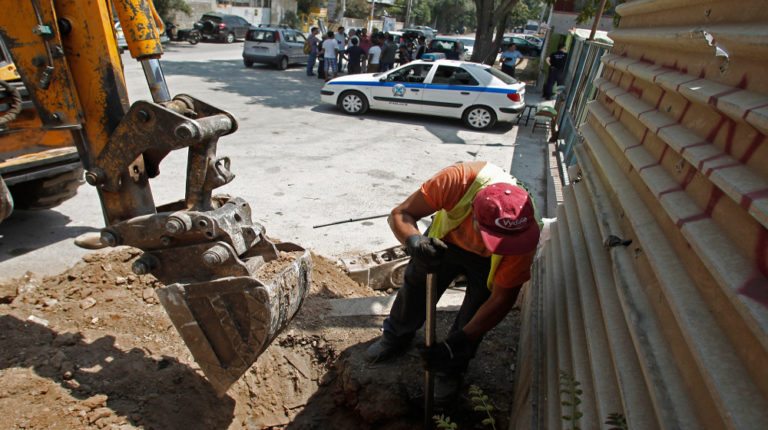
[446,221]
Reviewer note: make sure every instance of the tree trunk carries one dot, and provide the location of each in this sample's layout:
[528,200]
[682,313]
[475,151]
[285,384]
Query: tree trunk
[341,7]
[489,18]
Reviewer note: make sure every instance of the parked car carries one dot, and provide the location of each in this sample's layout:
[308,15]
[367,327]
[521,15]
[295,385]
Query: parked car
[415,33]
[431,30]
[469,44]
[525,47]
[224,28]
[477,93]
[269,45]
[444,45]
[122,45]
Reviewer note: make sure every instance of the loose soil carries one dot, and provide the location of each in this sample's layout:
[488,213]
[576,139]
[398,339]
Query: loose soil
[92,348]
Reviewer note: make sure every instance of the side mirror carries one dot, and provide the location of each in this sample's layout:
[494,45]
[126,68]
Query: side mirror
[383,79]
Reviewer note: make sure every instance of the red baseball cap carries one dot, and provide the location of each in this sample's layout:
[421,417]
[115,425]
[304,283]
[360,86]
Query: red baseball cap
[506,218]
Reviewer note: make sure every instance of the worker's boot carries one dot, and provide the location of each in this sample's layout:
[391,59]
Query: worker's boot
[447,386]
[385,348]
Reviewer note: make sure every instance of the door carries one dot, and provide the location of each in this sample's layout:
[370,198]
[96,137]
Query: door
[401,89]
[449,91]
[241,27]
[299,48]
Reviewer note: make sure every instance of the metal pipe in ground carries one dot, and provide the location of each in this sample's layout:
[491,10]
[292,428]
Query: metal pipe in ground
[429,379]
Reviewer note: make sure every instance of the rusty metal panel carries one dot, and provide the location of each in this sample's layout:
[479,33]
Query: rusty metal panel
[672,180]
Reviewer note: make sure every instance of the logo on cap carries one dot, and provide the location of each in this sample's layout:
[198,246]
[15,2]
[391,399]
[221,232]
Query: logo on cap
[512,224]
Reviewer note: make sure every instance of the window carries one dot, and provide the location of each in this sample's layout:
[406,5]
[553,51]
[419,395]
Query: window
[509,80]
[261,36]
[300,37]
[415,73]
[289,36]
[449,75]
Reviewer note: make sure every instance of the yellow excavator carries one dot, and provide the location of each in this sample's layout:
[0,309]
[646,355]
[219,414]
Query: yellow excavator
[205,248]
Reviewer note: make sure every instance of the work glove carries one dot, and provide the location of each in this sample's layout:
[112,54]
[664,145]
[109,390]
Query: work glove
[426,250]
[450,356]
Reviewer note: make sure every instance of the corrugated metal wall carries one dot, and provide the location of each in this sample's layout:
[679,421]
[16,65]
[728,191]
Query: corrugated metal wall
[670,331]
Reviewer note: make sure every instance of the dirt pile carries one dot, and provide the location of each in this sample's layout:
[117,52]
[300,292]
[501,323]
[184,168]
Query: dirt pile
[92,348]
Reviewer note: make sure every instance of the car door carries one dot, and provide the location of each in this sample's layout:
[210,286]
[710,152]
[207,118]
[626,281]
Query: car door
[287,40]
[449,91]
[242,27]
[298,48]
[401,89]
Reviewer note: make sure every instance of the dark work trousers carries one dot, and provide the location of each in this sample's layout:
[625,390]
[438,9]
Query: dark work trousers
[408,313]
[510,70]
[555,75]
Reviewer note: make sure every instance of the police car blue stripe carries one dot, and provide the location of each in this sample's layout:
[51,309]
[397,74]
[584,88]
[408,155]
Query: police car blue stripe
[427,86]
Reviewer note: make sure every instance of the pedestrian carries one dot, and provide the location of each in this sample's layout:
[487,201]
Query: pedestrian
[510,59]
[365,43]
[421,48]
[354,53]
[486,229]
[353,35]
[374,55]
[405,56]
[388,52]
[556,61]
[313,44]
[454,53]
[330,53]
[341,39]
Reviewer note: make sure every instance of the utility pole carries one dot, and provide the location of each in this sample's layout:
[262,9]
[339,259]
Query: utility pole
[370,19]
[408,14]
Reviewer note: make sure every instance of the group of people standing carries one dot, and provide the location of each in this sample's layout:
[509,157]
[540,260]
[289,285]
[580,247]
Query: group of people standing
[363,53]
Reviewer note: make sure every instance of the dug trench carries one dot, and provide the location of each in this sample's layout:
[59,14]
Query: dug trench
[92,348]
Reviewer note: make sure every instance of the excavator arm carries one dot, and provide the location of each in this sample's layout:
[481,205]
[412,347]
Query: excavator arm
[205,248]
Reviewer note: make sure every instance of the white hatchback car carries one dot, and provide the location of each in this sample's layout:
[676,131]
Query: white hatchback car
[477,93]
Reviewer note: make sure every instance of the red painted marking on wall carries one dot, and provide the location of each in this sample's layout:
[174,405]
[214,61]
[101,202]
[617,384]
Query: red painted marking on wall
[663,153]
[756,289]
[608,100]
[747,199]
[663,71]
[671,190]
[692,218]
[645,112]
[716,129]
[714,197]
[684,70]
[756,142]
[714,157]
[742,83]
[610,77]
[635,90]
[746,112]
[632,147]
[658,102]
[645,167]
[677,89]
[713,99]
[682,151]
[645,133]
[729,135]
[722,166]
[688,177]
[685,110]
[702,74]
[666,125]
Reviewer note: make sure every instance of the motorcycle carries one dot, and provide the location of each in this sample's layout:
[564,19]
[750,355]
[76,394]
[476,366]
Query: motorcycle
[191,35]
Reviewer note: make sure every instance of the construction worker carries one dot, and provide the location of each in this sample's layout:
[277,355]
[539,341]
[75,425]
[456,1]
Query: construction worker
[486,229]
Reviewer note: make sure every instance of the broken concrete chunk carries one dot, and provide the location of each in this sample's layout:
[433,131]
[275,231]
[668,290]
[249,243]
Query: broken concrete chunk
[87,303]
[96,401]
[38,320]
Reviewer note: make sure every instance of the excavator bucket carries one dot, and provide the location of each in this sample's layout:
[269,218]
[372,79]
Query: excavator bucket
[227,323]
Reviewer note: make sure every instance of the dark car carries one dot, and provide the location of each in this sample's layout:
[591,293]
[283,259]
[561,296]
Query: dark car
[525,47]
[445,45]
[225,28]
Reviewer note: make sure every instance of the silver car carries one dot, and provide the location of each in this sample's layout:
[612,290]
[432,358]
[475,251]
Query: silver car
[279,46]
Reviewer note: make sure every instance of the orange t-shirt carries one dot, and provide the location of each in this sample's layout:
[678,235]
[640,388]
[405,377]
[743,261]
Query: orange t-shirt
[444,191]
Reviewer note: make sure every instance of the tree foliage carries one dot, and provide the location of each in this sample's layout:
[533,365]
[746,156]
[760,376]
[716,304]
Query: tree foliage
[166,8]
[357,9]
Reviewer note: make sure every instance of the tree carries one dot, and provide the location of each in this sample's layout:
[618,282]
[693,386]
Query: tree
[492,16]
[357,9]
[166,8]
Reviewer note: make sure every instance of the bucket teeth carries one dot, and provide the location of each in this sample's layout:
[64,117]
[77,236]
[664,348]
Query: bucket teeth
[228,322]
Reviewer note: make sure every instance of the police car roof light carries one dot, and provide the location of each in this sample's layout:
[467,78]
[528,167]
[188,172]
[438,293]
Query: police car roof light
[433,56]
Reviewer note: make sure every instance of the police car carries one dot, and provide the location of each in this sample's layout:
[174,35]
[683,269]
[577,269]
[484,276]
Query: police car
[477,93]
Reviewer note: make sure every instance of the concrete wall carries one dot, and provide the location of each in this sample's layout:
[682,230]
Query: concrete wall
[651,289]
[280,7]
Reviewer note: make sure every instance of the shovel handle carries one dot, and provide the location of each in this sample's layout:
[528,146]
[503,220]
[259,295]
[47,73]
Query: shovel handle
[429,378]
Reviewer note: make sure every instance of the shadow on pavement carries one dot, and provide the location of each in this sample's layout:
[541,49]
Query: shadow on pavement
[26,231]
[152,393]
[264,84]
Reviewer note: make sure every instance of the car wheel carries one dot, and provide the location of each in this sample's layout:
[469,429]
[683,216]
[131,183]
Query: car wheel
[283,63]
[479,117]
[230,38]
[353,103]
[248,62]
[193,39]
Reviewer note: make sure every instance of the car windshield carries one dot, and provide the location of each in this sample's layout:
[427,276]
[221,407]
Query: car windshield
[468,42]
[445,45]
[261,36]
[509,80]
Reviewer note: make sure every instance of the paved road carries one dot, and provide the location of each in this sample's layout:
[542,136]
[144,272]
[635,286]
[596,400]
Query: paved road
[298,163]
